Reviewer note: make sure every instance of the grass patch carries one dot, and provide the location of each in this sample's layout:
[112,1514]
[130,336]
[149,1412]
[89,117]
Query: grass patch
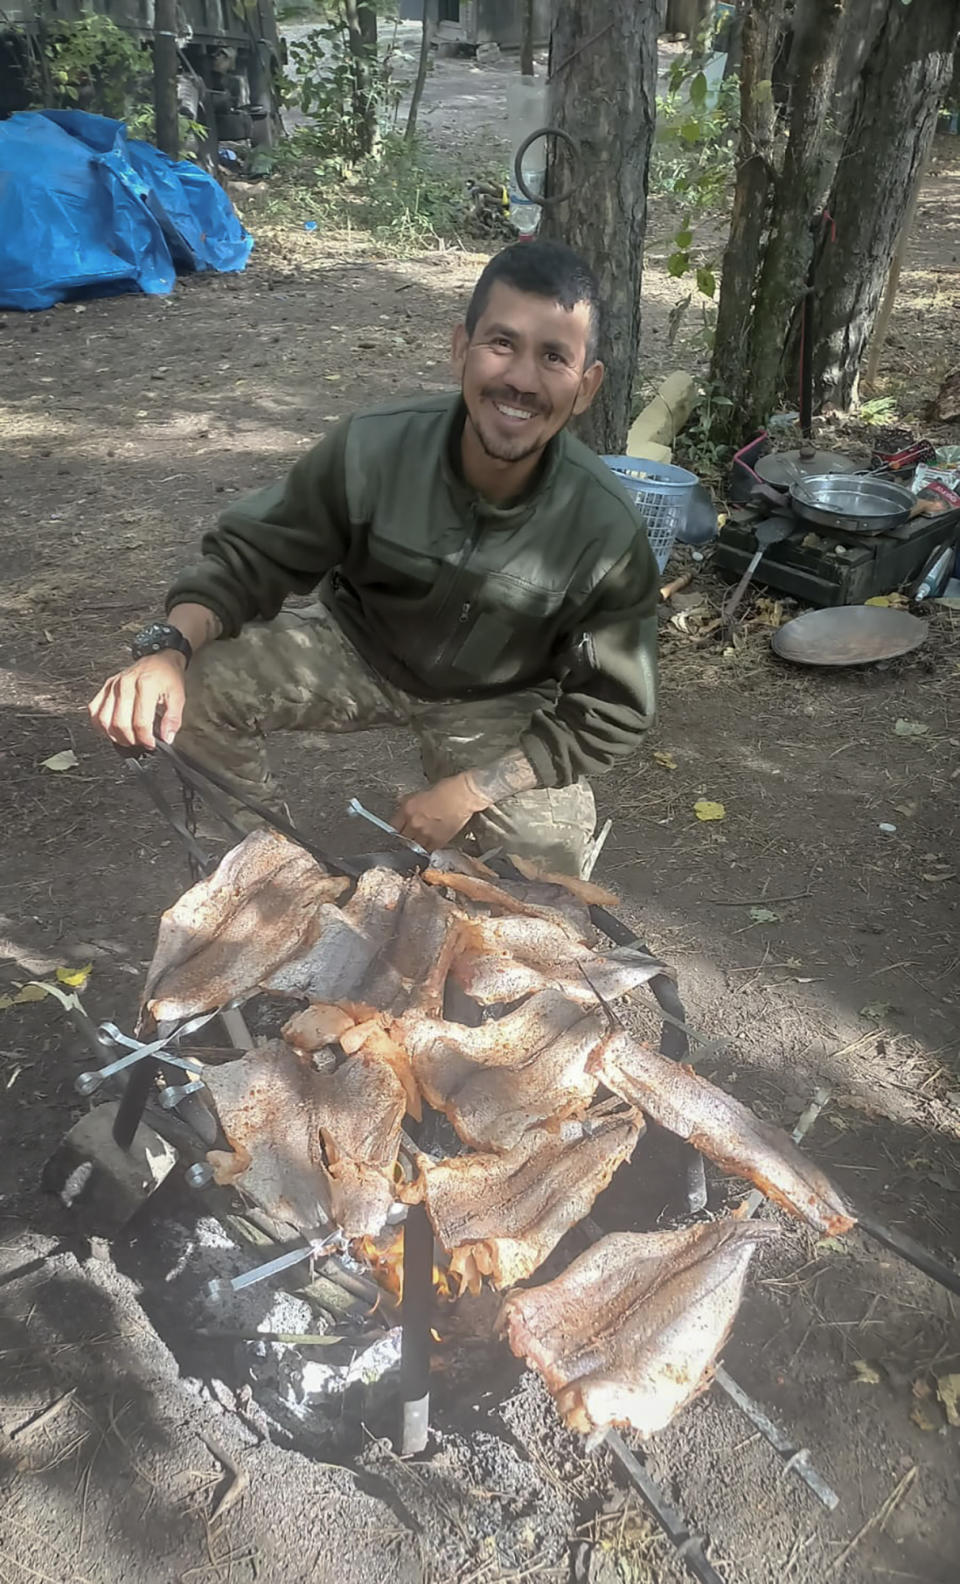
[406,198]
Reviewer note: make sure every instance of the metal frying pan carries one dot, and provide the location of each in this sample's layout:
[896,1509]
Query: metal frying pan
[852,503]
[849,635]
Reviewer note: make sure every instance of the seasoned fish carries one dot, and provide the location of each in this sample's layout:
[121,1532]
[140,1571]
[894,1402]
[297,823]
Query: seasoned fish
[502,959]
[584,890]
[267,1103]
[502,899]
[628,1333]
[723,1129]
[316,1027]
[500,1215]
[505,1076]
[359,1112]
[260,907]
[333,965]
[309,1146]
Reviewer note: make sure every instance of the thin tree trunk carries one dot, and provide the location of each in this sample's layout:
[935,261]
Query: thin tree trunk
[526,42]
[885,314]
[889,137]
[422,64]
[165,77]
[603,62]
[755,177]
[361,20]
[799,193]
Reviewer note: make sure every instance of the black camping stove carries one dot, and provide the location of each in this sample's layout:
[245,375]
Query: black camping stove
[826,566]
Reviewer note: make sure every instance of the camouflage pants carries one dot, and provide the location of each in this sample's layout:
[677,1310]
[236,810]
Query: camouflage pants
[299,672]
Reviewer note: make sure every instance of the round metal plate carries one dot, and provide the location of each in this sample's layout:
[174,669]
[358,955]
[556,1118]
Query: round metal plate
[849,635]
[788,467]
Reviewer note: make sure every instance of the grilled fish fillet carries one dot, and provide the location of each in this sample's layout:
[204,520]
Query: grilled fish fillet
[500,1215]
[309,1146]
[502,959]
[316,1027]
[584,890]
[260,907]
[629,1332]
[722,1129]
[267,1104]
[497,1080]
[501,899]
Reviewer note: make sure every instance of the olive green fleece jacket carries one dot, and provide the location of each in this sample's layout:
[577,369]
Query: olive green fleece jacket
[448,596]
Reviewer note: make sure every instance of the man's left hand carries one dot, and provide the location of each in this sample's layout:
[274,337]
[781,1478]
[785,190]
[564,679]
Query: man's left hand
[434,817]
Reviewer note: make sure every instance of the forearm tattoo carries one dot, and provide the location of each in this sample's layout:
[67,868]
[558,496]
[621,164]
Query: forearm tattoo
[504,778]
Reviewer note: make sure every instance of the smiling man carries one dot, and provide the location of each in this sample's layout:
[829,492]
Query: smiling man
[484,581]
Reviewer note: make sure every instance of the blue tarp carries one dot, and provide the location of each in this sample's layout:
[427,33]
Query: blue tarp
[86,211]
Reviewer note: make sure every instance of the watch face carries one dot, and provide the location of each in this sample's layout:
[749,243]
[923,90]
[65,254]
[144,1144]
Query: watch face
[156,637]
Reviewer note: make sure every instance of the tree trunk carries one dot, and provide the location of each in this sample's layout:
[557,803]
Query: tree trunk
[361,19]
[526,42]
[890,133]
[799,193]
[167,117]
[755,176]
[603,65]
[427,15]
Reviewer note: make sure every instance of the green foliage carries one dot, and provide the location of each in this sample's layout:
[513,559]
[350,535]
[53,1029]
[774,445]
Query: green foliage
[701,446]
[405,196]
[95,64]
[349,98]
[693,159]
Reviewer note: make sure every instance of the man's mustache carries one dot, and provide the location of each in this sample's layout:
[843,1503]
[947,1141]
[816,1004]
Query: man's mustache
[513,398]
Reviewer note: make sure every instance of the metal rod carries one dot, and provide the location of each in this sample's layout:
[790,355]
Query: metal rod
[357,811]
[201,776]
[688,1544]
[133,1103]
[796,1459]
[225,1287]
[911,1251]
[416,1313]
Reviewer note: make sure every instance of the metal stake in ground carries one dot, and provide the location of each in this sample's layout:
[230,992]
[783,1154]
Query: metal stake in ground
[416,1314]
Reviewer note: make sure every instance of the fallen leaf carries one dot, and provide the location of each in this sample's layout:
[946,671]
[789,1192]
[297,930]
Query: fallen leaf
[666,760]
[897,601]
[948,874]
[764,916]
[948,1390]
[75,978]
[877,1010]
[66,760]
[28,992]
[705,810]
[830,1245]
[909,728]
[924,1418]
[865,1374]
[921,1389]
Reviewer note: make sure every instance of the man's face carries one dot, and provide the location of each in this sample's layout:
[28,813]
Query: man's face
[524,371]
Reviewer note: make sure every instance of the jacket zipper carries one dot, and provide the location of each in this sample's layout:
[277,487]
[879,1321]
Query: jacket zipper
[447,647]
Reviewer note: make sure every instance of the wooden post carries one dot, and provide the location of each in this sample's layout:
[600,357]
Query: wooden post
[165,77]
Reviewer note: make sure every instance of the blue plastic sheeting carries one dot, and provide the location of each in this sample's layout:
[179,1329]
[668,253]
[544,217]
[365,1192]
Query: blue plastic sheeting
[86,211]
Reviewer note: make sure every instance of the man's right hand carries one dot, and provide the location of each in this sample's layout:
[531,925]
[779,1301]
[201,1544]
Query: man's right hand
[126,706]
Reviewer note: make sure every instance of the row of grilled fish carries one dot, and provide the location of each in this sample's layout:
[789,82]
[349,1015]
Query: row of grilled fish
[314,1119]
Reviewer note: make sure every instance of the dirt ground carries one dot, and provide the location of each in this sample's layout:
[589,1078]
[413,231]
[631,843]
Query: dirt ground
[127,423]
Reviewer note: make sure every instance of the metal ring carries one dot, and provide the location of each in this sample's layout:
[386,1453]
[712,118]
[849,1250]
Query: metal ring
[538,198]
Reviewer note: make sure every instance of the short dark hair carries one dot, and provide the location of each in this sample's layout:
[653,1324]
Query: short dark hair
[544,269]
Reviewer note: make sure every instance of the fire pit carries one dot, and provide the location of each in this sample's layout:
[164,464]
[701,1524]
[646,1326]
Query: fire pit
[427,1119]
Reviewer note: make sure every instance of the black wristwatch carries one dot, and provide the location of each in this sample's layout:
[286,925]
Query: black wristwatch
[158,636]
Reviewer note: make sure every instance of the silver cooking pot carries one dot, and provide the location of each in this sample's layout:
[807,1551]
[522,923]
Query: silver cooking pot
[851,502]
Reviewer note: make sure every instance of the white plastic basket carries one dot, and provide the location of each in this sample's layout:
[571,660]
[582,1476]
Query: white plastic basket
[662,493]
